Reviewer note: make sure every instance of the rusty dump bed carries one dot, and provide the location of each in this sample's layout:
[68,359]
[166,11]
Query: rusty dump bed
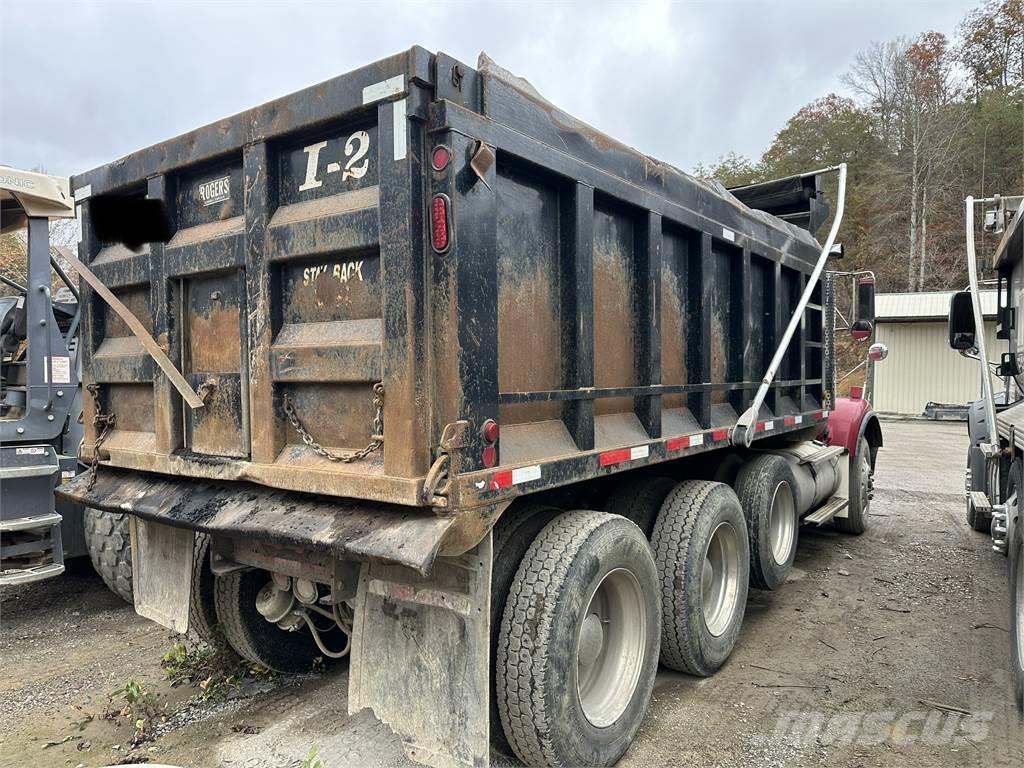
[606,310]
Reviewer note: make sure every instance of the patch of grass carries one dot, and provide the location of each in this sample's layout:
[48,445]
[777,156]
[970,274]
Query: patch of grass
[135,702]
[311,760]
[213,669]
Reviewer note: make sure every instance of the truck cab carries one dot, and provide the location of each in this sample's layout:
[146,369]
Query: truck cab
[995,463]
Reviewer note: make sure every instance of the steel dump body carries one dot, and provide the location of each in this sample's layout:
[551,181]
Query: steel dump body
[606,310]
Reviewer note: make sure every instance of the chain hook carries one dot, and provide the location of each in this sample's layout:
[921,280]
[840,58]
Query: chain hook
[376,439]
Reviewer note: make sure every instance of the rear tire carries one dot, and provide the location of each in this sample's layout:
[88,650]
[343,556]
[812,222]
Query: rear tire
[579,642]
[1015,551]
[861,473]
[110,549]
[640,499]
[202,615]
[1017,613]
[513,535]
[703,556]
[253,637]
[767,492]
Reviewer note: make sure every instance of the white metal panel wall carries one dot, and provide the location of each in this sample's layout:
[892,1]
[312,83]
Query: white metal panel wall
[921,368]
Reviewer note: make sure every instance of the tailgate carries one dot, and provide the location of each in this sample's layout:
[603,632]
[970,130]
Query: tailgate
[270,295]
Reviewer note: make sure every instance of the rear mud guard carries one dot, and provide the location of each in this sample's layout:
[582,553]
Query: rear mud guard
[420,656]
[349,529]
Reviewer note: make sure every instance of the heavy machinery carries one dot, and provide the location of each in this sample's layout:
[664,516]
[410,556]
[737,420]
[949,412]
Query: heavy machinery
[995,478]
[41,403]
[462,389]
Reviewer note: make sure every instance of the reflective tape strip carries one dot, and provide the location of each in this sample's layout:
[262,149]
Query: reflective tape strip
[383,89]
[614,457]
[720,434]
[510,477]
[678,443]
[620,455]
[400,122]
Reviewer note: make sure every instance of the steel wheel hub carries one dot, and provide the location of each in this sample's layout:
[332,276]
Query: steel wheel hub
[610,647]
[721,579]
[865,480]
[782,523]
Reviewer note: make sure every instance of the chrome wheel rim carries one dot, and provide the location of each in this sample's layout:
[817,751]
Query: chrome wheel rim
[865,481]
[782,523]
[611,643]
[721,578]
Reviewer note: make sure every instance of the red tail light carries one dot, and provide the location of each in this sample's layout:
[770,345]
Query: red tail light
[491,431]
[439,158]
[490,456]
[439,230]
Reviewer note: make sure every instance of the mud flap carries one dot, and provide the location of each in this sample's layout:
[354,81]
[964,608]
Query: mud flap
[420,656]
[162,572]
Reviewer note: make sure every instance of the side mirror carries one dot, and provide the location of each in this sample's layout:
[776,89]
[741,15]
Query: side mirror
[961,322]
[864,317]
[877,352]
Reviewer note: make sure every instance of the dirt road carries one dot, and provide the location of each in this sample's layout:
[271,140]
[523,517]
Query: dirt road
[888,649]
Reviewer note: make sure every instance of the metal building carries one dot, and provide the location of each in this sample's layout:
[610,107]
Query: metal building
[921,368]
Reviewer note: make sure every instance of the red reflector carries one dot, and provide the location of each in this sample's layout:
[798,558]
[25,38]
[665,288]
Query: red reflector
[819,415]
[759,427]
[789,421]
[439,158]
[490,456]
[490,431]
[720,434]
[501,479]
[614,457]
[677,443]
[439,222]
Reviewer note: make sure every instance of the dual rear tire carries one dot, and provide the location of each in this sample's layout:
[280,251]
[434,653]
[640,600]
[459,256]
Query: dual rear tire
[593,605]
[767,492]
[582,618]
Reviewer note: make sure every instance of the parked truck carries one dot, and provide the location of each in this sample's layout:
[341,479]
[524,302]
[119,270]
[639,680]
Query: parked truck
[41,400]
[495,406]
[994,477]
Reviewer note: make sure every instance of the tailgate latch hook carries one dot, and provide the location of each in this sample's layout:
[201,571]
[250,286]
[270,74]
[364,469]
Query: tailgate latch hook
[206,389]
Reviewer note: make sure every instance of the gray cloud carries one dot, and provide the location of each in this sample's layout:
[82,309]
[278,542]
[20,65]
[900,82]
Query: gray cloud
[82,83]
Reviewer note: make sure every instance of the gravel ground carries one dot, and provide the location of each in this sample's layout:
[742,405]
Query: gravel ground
[888,649]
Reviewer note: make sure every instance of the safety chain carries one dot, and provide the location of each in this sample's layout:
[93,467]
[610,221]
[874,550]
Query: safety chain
[105,423]
[376,439]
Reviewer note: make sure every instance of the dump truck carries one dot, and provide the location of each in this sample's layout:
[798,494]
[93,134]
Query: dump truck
[994,478]
[41,401]
[461,389]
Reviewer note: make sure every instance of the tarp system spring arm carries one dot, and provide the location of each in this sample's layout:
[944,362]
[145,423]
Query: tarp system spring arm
[979,322]
[743,433]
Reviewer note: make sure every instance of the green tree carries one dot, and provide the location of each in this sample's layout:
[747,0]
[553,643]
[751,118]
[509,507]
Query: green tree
[732,170]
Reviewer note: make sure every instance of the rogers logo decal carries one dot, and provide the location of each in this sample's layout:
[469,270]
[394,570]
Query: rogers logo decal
[216,191]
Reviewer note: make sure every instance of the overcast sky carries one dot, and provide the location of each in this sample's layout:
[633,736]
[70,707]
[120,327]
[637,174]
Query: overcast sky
[82,83]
